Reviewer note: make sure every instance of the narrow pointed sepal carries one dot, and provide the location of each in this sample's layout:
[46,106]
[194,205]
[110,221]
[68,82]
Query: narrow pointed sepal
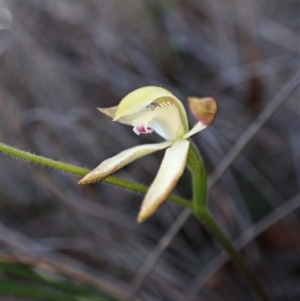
[198,127]
[111,113]
[113,164]
[167,177]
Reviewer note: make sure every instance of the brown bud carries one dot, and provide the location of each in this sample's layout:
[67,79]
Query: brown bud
[204,109]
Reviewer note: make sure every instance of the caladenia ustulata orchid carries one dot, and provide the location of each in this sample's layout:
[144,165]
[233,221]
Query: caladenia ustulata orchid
[156,109]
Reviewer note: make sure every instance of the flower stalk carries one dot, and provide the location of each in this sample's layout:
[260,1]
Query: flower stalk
[210,223]
[196,165]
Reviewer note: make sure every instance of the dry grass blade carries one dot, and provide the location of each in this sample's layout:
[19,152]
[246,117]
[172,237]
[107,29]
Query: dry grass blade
[40,254]
[280,35]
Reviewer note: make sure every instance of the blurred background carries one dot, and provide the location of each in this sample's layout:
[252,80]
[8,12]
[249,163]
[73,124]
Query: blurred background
[59,61]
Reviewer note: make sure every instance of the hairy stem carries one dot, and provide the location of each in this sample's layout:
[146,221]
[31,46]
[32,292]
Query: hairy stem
[79,171]
[209,222]
[197,168]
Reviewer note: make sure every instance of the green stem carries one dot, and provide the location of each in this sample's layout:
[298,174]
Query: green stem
[79,171]
[197,168]
[236,257]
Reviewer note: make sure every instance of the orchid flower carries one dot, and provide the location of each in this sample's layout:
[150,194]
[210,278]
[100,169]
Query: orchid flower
[155,109]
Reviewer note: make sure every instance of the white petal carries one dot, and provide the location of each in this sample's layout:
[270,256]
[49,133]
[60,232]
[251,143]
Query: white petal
[164,119]
[169,172]
[197,128]
[167,122]
[113,164]
[137,100]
